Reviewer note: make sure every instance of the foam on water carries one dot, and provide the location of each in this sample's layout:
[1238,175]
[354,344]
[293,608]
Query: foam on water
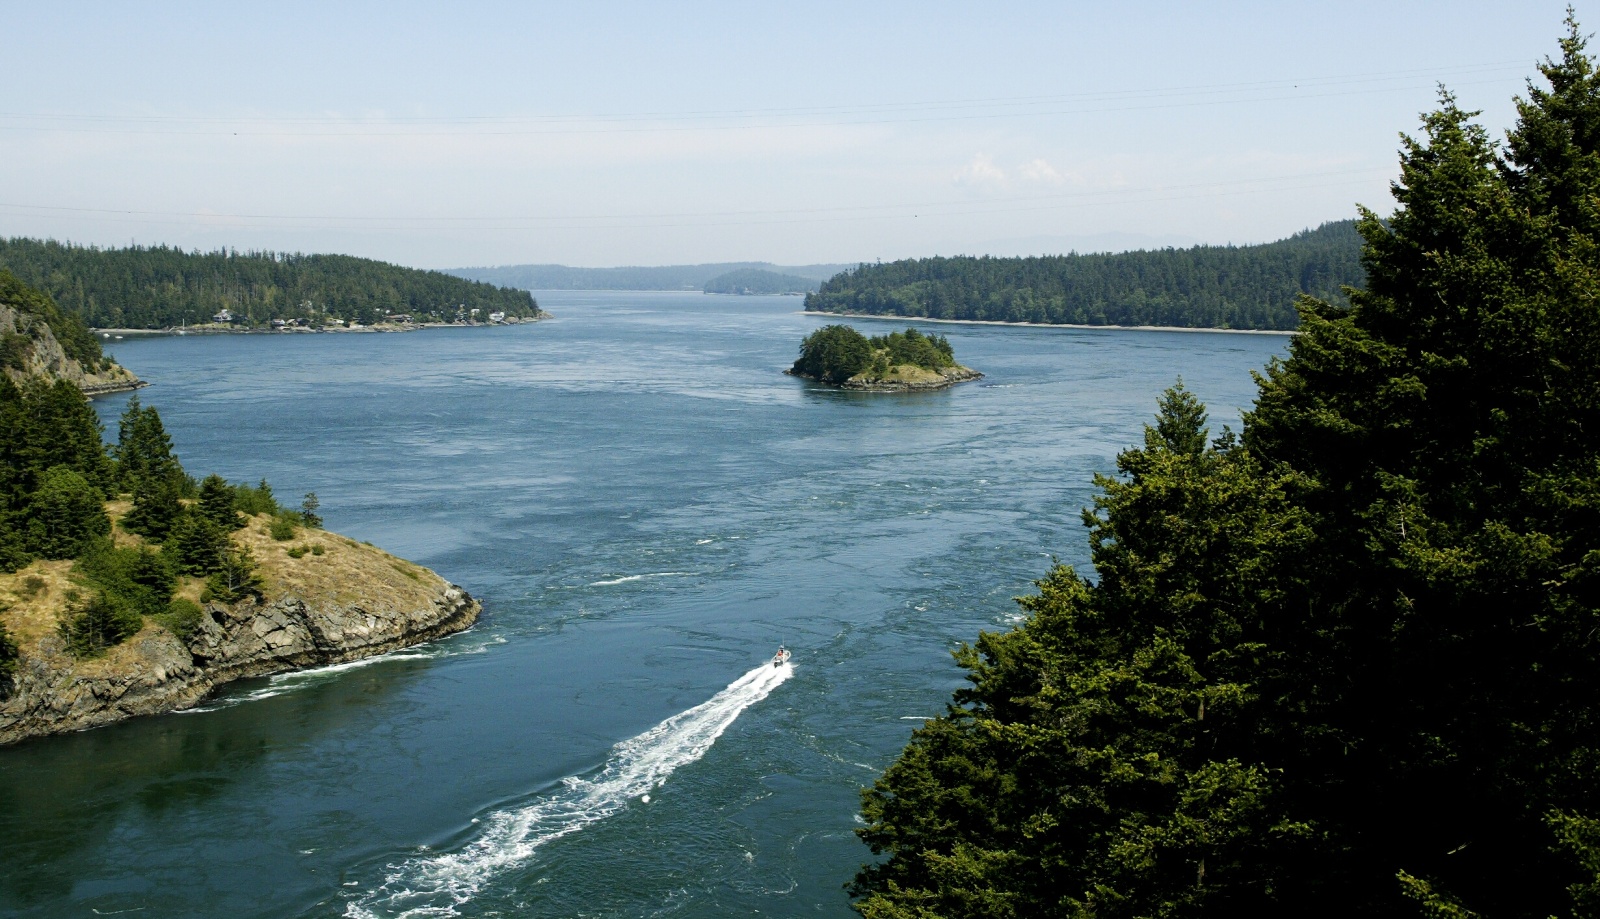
[436,885]
[638,577]
[281,683]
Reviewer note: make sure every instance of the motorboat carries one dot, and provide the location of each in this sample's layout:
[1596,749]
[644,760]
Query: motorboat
[781,658]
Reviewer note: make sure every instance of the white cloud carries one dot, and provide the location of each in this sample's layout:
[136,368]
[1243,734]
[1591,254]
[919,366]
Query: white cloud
[982,171]
[1038,170]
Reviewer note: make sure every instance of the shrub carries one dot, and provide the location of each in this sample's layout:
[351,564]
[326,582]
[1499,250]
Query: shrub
[282,528]
[254,500]
[182,618]
[297,552]
[316,548]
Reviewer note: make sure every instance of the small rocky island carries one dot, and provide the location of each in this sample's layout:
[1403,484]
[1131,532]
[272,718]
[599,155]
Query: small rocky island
[908,361]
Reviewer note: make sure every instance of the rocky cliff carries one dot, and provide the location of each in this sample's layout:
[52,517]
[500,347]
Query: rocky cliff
[350,601]
[29,348]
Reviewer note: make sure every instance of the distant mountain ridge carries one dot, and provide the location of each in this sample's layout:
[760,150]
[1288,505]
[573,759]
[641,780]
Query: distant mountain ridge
[630,277]
[1222,287]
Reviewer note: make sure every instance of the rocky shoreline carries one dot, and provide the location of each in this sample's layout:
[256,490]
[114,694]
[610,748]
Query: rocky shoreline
[304,621]
[944,379]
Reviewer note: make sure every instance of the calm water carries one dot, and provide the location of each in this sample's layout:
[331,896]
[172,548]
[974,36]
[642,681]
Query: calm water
[646,508]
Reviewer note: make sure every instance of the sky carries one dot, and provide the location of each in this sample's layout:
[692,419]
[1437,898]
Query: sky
[596,133]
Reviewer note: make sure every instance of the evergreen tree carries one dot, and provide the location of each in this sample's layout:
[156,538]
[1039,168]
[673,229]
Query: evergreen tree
[308,511]
[144,451]
[8,656]
[64,515]
[198,545]
[235,579]
[157,505]
[833,354]
[217,503]
[1343,665]
[99,623]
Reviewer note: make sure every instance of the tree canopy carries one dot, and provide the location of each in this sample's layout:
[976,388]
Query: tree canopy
[1237,287]
[835,353]
[153,287]
[1347,663]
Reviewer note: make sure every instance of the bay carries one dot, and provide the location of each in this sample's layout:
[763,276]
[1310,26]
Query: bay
[647,507]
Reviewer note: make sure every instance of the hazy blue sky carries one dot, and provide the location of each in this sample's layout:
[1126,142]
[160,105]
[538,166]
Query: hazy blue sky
[599,133]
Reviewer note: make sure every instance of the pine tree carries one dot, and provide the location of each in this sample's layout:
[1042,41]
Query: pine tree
[157,505]
[218,503]
[64,515]
[235,579]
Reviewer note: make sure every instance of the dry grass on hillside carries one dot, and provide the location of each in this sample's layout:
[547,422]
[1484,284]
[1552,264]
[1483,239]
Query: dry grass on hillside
[34,600]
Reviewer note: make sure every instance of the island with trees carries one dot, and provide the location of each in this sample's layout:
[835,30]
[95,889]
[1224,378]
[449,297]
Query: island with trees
[163,287]
[1218,287]
[759,281]
[909,361]
[1345,662]
[128,588]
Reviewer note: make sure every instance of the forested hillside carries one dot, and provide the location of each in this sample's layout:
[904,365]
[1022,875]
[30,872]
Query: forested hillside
[1225,287]
[1348,663]
[759,281]
[160,287]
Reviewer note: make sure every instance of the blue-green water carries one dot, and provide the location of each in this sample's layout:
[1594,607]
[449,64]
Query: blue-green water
[647,507]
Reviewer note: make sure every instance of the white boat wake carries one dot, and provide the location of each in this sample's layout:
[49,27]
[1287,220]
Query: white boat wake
[436,885]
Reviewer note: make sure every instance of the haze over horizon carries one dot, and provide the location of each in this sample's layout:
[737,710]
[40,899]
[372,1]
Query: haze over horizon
[608,134]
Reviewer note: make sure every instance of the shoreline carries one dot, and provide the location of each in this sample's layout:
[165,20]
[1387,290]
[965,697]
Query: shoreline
[384,327]
[1053,325]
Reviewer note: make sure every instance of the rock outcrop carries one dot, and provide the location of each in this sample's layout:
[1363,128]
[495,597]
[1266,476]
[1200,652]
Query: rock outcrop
[39,354]
[903,378]
[350,602]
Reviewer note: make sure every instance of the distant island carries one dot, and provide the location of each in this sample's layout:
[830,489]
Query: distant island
[1217,287]
[163,287]
[636,277]
[129,588]
[909,361]
[759,281]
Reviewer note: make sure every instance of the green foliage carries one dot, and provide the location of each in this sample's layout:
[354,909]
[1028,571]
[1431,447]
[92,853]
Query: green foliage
[100,622]
[38,311]
[1345,664]
[758,281]
[198,545]
[1244,287]
[142,579]
[833,354]
[218,503]
[161,287]
[932,352]
[317,549]
[284,526]
[157,506]
[308,511]
[9,653]
[143,452]
[296,551]
[235,579]
[65,515]
[181,618]
[254,500]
